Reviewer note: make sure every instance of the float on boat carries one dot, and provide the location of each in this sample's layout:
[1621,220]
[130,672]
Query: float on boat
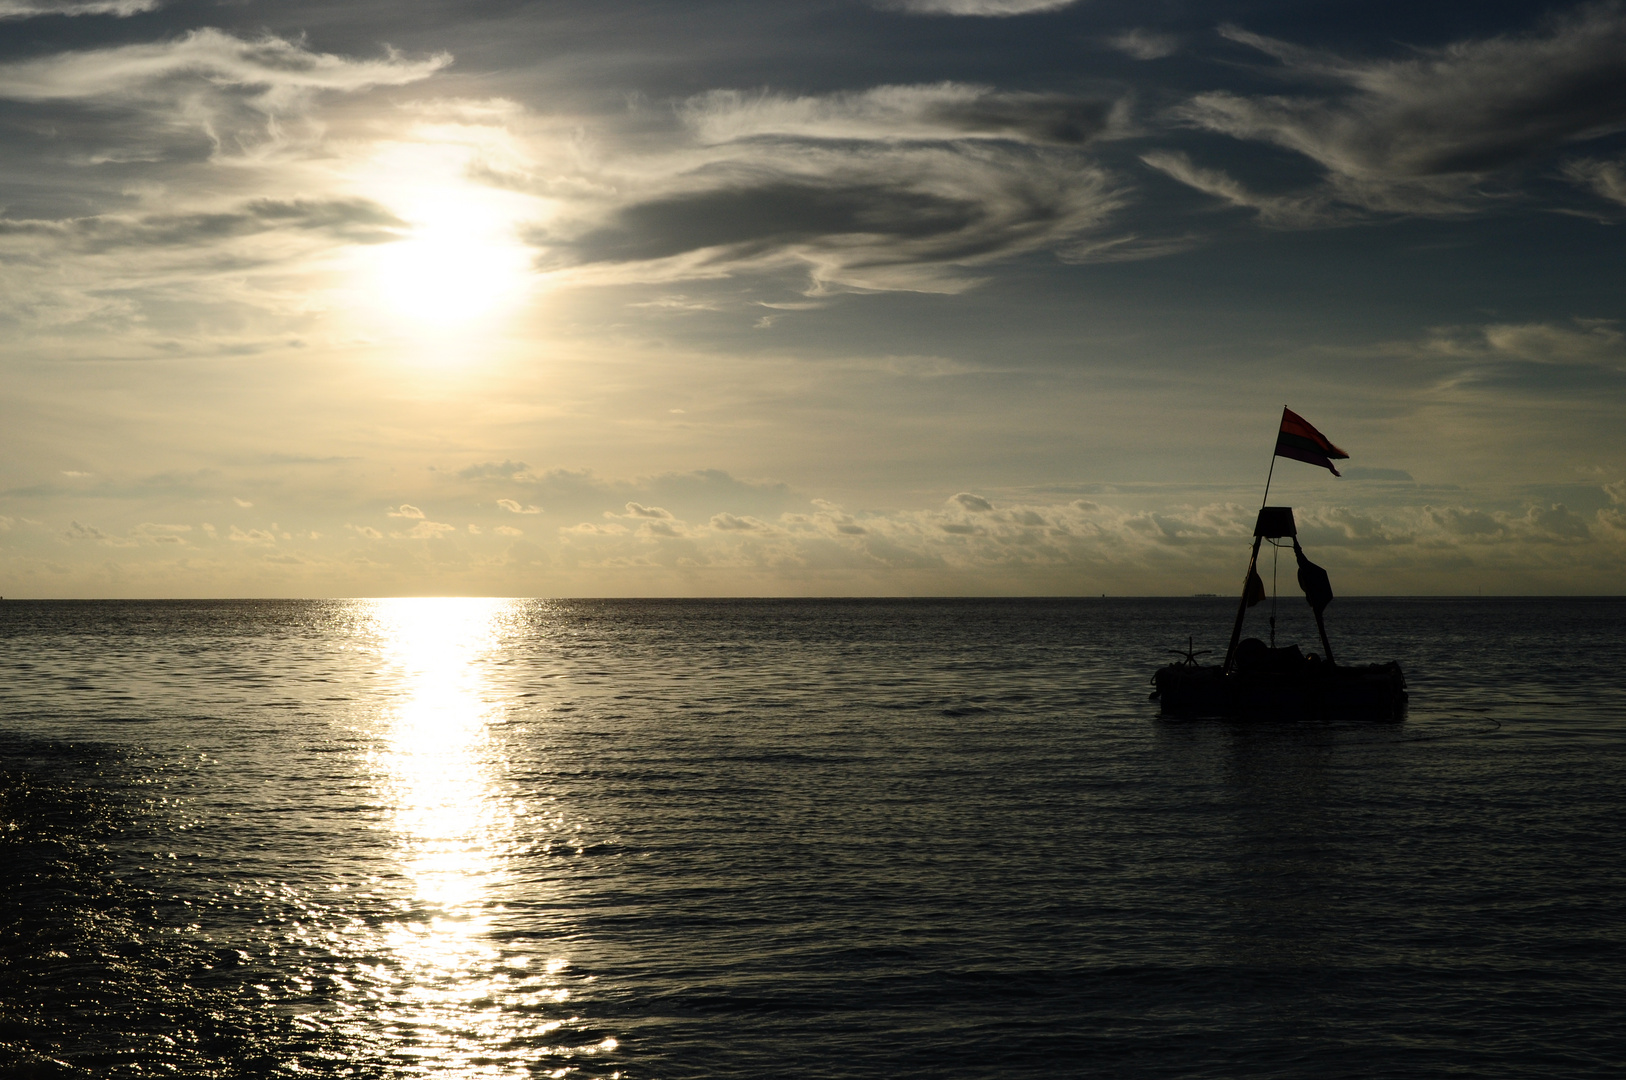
[1260,681]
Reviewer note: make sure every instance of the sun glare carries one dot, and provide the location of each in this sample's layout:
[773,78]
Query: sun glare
[460,264]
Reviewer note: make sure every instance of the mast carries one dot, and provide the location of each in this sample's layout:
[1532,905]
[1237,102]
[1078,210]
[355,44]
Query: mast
[1253,561]
[1242,604]
[1274,523]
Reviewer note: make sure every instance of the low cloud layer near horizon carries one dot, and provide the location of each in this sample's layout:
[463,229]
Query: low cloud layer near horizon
[948,296]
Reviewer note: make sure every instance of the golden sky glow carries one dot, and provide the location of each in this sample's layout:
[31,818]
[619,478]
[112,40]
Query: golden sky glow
[539,307]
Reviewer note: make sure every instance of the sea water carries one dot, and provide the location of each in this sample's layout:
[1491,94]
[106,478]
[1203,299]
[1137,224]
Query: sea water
[845,838]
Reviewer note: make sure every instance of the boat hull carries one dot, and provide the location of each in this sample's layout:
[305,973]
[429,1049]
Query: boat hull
[1315,691]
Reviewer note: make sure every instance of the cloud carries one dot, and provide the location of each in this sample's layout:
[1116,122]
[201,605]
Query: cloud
[637,510]
[654,523]
[495,470]
[77,531]
[589,528]
[904,219]
[1558,522]
[515,508]
[1083,539]
[831,517]
[1589,343]
[131,272]
[974,503]
[128,226]
[1461,521]
[406,510]
[147,532]
[244,503]
[426,530]
[366,531]
[206,95]
[1365,472]
[508,530]
[1072,539]
[271,73]
[28,9]
[1129,247]
[987,8]
[355,220]
[729,523]
[1417,134]
[1606,179]
[1145,44]
[1297,211]
[251,536]
[931,111]
[677,304]
[155,533]
[898,187]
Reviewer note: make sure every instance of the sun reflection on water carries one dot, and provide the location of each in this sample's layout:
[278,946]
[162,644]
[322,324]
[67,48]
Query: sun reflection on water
[437,759]
[448,998]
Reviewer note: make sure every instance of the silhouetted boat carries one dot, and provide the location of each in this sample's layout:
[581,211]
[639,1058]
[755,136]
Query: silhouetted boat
[1261,681]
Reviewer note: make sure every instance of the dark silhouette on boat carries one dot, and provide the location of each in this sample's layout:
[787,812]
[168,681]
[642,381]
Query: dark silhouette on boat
[1259,681]
[1262,681]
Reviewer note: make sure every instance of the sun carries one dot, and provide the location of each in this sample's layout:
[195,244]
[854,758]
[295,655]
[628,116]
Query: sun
[460,263]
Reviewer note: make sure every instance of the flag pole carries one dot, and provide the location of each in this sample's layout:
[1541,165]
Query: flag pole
[1253,560]
[1272,471]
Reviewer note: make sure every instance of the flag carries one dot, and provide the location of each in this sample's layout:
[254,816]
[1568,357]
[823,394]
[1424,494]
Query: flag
[1302,442]
[1253,590]
[1313,580]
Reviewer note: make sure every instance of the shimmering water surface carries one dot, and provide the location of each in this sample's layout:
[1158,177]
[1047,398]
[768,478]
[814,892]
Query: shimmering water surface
[493,838]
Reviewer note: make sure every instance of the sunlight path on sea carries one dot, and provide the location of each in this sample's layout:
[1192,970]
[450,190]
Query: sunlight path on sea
[449,999]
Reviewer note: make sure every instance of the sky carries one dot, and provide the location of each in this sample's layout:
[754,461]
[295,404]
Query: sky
[807,297]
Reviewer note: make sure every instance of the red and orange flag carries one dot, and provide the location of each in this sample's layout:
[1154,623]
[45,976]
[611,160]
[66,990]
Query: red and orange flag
[1299,440]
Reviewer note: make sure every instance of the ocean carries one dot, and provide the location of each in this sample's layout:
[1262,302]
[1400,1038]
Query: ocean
[800,838]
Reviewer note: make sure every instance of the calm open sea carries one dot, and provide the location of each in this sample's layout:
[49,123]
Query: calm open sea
[669,839]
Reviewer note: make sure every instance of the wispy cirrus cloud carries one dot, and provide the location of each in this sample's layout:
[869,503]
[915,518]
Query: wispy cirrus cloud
[1605,179]
[1142,44]
[353,220]
[1591,342]
[206,93]
[272,73]
[982,8]
[934,111]
[29,9]
[170,170]
[1421,134]
[1281,211]
[1583,361]
[900,187]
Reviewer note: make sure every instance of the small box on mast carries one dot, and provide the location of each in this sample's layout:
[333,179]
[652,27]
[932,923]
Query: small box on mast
[1275,522]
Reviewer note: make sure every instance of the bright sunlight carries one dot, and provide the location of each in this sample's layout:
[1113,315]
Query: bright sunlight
[461,262]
